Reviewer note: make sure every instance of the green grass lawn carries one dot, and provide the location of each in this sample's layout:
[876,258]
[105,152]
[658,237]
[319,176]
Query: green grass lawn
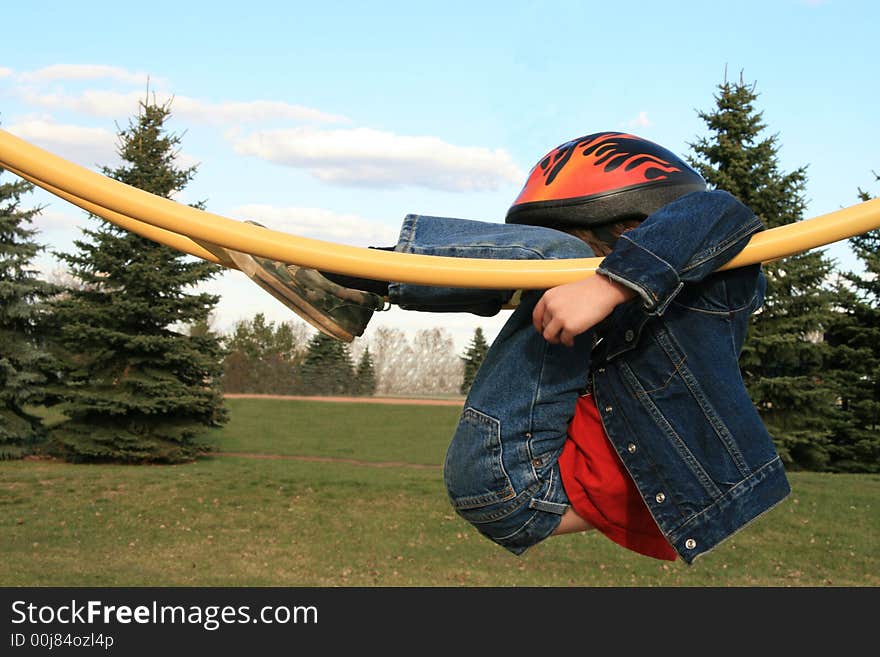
[236,521]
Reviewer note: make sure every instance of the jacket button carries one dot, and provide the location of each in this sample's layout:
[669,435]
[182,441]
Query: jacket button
[631,448]
[629,335]
[601,370]
[608,409]
[690,544]
[659,497]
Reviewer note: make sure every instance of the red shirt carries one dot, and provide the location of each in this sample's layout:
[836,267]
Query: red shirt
[600,489]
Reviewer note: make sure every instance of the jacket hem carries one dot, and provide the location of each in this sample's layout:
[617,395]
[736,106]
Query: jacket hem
[737,508]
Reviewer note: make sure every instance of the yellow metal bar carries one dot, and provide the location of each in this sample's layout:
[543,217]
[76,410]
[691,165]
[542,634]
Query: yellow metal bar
[52,172]
[160,235]
[47,169]
[808,234]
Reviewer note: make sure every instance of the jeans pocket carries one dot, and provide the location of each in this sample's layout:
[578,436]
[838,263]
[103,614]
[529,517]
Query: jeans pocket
[474,472]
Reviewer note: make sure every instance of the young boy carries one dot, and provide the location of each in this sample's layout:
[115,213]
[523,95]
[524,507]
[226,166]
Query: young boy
[614,402]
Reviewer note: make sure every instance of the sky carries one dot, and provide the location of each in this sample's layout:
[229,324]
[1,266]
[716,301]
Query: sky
[334,120]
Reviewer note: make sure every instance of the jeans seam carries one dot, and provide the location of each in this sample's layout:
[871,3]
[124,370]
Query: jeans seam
[433,250]
[534,403]
[407,241]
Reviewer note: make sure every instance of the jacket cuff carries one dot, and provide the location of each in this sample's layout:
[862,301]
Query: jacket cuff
[651,277]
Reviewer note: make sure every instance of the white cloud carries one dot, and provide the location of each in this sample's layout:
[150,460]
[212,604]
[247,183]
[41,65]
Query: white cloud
[85,146]
[248,112]
[37,89]
[641,121]
[321,224]
[92,103]
[115,104]
[363,156]
[185,160]
[84,72]
[51,220]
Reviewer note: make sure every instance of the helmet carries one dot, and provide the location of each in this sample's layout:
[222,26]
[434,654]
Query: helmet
[600,179]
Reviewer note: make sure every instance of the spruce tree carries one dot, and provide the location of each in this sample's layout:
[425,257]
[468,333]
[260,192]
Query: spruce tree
[25,365]
[327,367]
[855,368]
[365,375]
[473,358]
[138,387]
[783,358]
[263,358]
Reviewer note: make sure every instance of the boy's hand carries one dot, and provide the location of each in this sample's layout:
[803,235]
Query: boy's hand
[566,311]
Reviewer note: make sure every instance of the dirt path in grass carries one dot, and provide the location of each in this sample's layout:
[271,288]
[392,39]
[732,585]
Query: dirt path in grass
[353,400]
[328,459]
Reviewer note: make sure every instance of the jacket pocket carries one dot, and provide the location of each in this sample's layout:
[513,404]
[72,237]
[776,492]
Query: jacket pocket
[474,472]
[657,362]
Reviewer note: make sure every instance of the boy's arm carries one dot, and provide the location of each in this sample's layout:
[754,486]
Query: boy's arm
[682,242]
[562,312]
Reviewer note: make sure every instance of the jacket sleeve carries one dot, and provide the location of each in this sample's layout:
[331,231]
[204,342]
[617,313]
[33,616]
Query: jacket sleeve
[682,242]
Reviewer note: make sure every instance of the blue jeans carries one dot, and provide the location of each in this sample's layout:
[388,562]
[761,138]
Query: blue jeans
[501,469]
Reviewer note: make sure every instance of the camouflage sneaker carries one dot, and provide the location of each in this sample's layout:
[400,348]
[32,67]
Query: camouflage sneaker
[340,312]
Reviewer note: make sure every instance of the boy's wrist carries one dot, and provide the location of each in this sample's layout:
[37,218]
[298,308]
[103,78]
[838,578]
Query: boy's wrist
[618,292]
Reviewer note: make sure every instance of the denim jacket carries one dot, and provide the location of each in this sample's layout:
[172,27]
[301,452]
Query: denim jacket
[675,408]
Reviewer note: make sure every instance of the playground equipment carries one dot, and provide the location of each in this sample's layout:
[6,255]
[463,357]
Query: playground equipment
[199,233]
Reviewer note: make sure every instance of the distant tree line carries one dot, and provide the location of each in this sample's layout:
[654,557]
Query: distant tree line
[263,357]
[267,358]
[118,362]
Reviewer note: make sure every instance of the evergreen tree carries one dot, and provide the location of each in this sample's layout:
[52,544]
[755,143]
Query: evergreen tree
[782,362]
[866,196]
[25,365]
[136,388]
[365,375]
[473,358]
[263,358]
[327,367]
[855,336]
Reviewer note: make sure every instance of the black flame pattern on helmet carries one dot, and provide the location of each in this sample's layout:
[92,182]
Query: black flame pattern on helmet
[611,153]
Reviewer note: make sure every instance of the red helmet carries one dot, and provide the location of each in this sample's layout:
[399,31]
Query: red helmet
[599,179]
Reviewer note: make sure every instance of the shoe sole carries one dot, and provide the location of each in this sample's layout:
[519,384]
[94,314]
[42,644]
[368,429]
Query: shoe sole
[262,277]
